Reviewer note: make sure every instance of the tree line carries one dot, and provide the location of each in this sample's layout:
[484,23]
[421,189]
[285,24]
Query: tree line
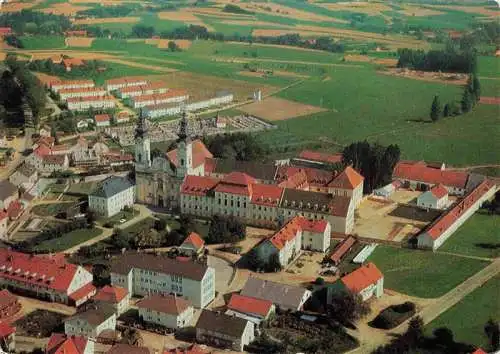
[47,66]
[448,60]
[34,22]
[109,11]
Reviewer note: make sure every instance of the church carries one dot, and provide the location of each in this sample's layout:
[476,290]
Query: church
[190,180]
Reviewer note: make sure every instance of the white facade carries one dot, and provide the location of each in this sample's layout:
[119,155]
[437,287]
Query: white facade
[79,326]
[103,123]
[140,101]
[86,103]
[155,112]
[356,194]
[376,289]
[114,204]
[71,85]
[168,320]
[89,92]
[218,338]
[315,241]
[429,200]
[115,85]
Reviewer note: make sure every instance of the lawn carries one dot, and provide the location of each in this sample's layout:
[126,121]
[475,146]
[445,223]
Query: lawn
[422,273]
[115,219]
[42,42]
[467,318]
[51,209]
[68,240]
[479,236]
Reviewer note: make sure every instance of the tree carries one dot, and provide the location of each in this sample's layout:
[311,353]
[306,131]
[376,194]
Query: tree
[444,336]
[347,307]
[415,332]
[492,331]
[435,109]
[446,110]
[173,47]
[131,336]
[466,102]
[476,87]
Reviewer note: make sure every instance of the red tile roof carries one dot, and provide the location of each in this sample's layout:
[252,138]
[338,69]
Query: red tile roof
[161,96]
[14,210]
[314,176]
[198,185]
[200,153]
[439,191]
[316,226]
[423,173]
[249,305]
[342,248]
[439,226]
[102,117]
[286,234]
[81,90]
[320,156]
[5,30]
[7,298]
[71,82]
[112,294]
[150,86]
[165,304]
[479,351]
[46,140]
[6,329]
[90,99]
[195,240]
[236,183]
[73,62]
[59,343]
[124,80]
[348,179]
[362,278]
[42,150]
[266,194]
[85,292]
[192,349]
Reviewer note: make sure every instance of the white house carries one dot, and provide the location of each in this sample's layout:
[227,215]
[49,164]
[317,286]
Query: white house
[144,274]
[348,183]
[102,120]
[250,308]
[115,296]
[435,198]
[112,195]
[192,245]
[220,330]
[90,323]
[366,281]
[166,310]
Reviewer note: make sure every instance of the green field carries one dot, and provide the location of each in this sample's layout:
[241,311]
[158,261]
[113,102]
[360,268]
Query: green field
[479,236]
[467,318]
[42,42]
[68,240]
[422,273]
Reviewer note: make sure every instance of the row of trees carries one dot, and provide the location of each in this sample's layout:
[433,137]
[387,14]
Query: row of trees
[91,68]
[470,97]
[109,11]
[448,60]
[34,22]
[238,146]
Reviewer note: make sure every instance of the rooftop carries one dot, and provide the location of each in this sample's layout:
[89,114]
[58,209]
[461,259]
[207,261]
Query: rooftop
[320,156]
[195,240]
[362,278]
[249,305]
[439,191]
[423,173]
[200,153]
[170,304]
[7,189]
[111,294]
[60,343]
[347,179]
[112,186]
[221,323]
[94,316]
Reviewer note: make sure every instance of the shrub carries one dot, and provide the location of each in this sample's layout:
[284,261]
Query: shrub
[394,315]
[319,281]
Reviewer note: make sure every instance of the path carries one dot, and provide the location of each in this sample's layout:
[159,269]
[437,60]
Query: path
[144,212]
[473,167]
[139,65]
[465,256]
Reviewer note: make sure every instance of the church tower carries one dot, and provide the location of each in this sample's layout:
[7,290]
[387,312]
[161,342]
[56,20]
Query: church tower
[142,143]
[184,149]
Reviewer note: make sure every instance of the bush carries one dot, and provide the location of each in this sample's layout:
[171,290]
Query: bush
[394,315]
[319,281]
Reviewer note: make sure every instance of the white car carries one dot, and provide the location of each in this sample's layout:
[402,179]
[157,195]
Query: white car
[122,221]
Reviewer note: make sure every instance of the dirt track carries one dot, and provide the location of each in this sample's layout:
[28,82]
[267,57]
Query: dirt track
[139,65]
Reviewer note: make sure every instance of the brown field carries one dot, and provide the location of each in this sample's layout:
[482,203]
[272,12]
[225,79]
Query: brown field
[216,12]
[277,46]
[93,21]
[65,9]
[274,108]
[490,100]
[254,23]
[134,64]
[205,86]
[163,43]
[78,42]
[183,16]
[18,6]
[368,8]
[417,11]
[367,59]
[446,78]
[482,10]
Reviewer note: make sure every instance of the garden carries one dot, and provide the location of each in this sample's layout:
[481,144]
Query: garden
[40,324]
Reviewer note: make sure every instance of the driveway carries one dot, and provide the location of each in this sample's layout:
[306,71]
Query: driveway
[223,273]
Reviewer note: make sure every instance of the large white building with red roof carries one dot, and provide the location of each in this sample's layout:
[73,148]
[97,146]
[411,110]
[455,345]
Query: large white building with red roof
[49,278]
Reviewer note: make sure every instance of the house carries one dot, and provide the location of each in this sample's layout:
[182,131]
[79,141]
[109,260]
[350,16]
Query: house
[64,94]
[341,250]
[25,175]
[91,322]
[102,120]
[220,122]
[48,278]
[435,234]
[218,329]
[286,297]
[191,349]
[70,63]
[435,198]
[8,193]
[4,221]
[366,281]
[192,245]
[121,348]
[57,85]
[85,158]
[52,163]
[348,183]
[156,99]
[115,84]
[117,297]
[143,274]
[60,343]
[479,351]
[85,103]
[122,117]
[111,196]
[320,157]
[250,308]
[166,310]
[7,337]
[9,305]
[140,90]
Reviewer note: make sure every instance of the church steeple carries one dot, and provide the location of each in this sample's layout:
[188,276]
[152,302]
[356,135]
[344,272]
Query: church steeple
[183,127]
[141,131]
[184,148]
[142,143]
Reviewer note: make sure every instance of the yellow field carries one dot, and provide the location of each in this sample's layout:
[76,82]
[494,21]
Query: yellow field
[18,6]
[368,8]
[66,9]
[414,10]
[183,16]
[79,42]
[482,10]
[274,108]
[94,21]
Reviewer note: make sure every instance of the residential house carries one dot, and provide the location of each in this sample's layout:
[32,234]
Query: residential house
[435,198]
[53,163]
[122,117]
[166,310]
[85,103]
[60,343]
[348,183]
[64,94]
[435,234]
[70,63]
[115,296]
[286,297]
[115,84]
[156,99]
[145,274]
[85,158]
[91,322]
[112,195]
[7,337]
[366,281]
[250,308]
[121,348]
[218,329]
[25,176]
[8,193]
[4,221]
[140,90]
[57,85]
[102,120]
[9,305]
[192,245]
[45,277]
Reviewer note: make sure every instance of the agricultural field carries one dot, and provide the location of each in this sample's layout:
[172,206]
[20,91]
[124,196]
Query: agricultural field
[422,273]
[467,318]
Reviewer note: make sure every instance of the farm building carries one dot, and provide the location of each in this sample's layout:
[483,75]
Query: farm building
[435,198]
[366,281]
[85,103]
[168,311]
[434,235]
[342,248]
[250,308]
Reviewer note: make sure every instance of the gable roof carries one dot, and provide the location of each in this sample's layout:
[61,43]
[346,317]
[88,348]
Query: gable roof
[266,194]
[249,305]
[60,343]
[479,351]
[7,298]
[362,277]
[170,304]
[220,323]
[198,185]
[255,169]
[315,201]
[102,117]
[312,225]
[112,294]
[195,240]
[347,179]
[6,329]
[315,176]
[283,295]
[112,186]
[127,349]
[423,173]
[439,191]
[342,248]
[320,156]
[94,316]
[200,153]
[236,183]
